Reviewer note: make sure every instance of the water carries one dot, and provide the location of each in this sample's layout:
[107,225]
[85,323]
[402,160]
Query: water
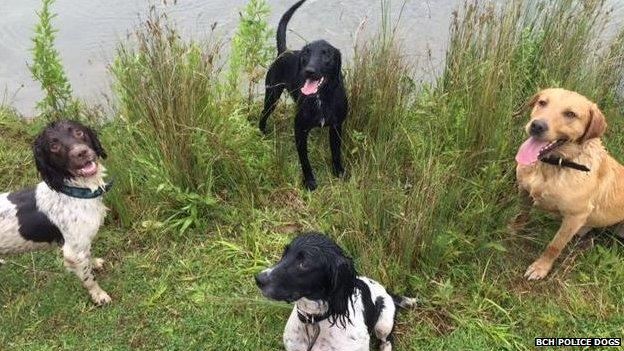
[89,31]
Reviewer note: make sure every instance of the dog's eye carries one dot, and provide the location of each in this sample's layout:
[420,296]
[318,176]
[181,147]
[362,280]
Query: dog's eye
[542,103]
[79,134]
[302,265]
[569,114]
[55,147]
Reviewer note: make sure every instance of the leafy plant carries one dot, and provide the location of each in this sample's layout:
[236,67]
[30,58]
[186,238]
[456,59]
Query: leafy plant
[252,46]
[48,70]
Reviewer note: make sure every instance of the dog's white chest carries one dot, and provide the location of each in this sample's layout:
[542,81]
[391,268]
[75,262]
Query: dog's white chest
[78,219]
[353,337]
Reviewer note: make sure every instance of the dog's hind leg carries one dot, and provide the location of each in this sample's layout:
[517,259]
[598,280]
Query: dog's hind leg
[98,263]
[79,262]
[271,98]
[619,230]
[301,140]
[385,326]
[335,142]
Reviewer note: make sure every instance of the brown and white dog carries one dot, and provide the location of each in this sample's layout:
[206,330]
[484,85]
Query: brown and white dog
[66,208]
[564,169]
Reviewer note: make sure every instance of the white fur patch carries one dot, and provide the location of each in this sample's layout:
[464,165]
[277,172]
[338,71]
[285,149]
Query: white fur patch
[354,337]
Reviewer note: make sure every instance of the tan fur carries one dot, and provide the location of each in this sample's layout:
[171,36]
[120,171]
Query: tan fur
[584,200]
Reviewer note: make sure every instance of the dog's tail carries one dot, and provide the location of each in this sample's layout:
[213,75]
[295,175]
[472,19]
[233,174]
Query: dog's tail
[281,28]
[404,302]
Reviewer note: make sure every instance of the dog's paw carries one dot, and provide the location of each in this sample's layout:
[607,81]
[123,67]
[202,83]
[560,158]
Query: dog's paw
[98,264]
[310,184]
[538,270]
[100,297]
[263,127]
[2,262]
[338,172]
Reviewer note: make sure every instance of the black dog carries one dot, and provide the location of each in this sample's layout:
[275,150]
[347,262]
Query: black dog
[313,78]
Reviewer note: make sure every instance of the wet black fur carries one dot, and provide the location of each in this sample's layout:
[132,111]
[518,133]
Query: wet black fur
[328,107]
[314,267]
[54,171]
[33,224]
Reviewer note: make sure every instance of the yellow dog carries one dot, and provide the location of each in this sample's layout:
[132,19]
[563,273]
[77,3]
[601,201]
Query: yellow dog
[563,168]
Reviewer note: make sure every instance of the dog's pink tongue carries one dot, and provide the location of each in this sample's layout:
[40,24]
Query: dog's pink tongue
[529,151]
[89,169]
[310,87]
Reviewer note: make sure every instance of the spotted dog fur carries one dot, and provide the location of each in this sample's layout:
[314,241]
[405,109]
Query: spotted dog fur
[314,273]
[42,217]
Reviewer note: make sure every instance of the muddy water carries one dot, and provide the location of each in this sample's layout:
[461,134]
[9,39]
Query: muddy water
[90,29]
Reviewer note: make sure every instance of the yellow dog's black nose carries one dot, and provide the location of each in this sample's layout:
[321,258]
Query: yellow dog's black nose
[538,127]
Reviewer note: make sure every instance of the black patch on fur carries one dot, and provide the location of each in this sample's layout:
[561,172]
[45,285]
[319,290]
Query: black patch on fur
[33,224]
[372,311]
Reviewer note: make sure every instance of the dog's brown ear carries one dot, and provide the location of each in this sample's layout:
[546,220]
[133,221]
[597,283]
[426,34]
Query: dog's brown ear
[527,105]
[597,124]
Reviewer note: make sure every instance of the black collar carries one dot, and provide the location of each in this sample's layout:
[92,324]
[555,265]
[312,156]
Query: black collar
[312,320]
[307,318]
[86,193]
[561,162]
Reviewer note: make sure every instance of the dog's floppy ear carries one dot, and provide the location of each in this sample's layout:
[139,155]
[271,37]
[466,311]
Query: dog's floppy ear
[597,124]
[343,278]
[53,177]
[529,104]
[338,60]
[95,143]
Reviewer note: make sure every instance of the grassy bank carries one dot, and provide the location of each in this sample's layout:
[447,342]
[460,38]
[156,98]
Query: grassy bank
[203,201]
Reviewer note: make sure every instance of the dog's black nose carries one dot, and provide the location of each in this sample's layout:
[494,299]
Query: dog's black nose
[538,127]
[310,71]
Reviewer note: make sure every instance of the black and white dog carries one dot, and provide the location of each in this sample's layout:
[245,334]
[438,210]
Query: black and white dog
[65,209]
[334,308]
[313,78]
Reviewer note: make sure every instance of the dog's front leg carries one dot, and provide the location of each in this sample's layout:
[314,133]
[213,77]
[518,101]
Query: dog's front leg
[78,260]
[335,142]
[301,139]
[570,226]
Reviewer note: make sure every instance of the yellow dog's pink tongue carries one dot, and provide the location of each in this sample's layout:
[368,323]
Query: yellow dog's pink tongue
[310,87]
[529,151]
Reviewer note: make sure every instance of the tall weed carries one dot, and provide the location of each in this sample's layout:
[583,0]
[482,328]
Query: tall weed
[187,147]
[48,70]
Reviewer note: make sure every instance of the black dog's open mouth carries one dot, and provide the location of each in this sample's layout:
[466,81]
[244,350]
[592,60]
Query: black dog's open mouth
[550,147]
[312,86]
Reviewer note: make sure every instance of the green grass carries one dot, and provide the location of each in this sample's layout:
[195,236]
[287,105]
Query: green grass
[203,201]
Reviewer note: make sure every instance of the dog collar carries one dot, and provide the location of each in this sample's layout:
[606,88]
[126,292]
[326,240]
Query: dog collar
[561,162]
[311,318]
[86,193]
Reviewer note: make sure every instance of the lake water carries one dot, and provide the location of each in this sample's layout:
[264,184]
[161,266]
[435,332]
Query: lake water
[89,31]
